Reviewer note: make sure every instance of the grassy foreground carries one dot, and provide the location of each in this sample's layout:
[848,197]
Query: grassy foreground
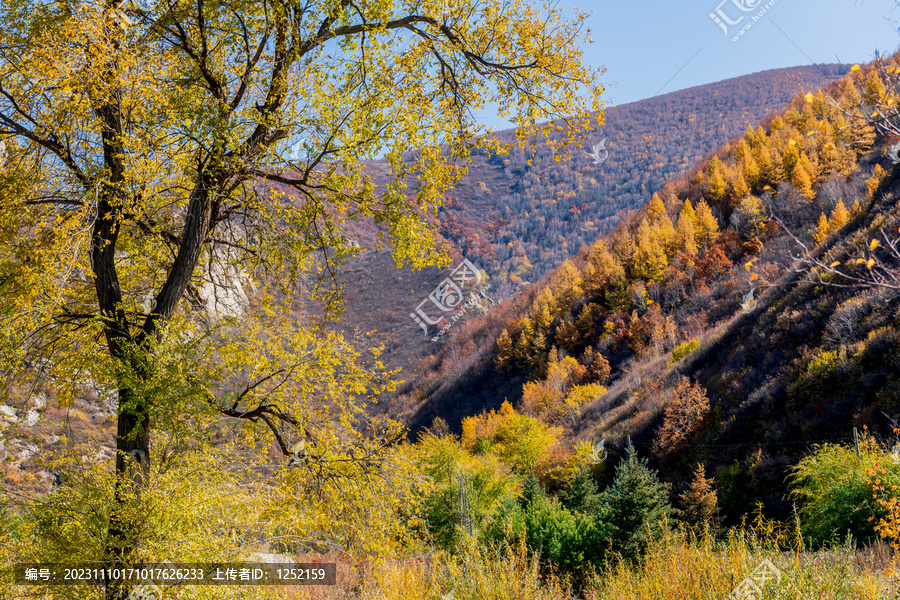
[677,567]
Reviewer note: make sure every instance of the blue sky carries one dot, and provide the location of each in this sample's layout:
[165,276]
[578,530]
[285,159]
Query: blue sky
[652,47]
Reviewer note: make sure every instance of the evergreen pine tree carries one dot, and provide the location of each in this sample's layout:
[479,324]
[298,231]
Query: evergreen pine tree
[582,495]
[531,490]
[637,506]
[618,297]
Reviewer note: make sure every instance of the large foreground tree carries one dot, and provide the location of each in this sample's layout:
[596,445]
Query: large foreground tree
[172,171]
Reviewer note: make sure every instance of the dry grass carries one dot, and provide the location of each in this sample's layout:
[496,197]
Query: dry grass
[682,568]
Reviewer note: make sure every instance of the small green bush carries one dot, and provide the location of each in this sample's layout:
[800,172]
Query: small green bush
[682,350]
[568,541]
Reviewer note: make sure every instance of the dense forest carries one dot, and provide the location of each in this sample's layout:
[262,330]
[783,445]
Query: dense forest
[520,216]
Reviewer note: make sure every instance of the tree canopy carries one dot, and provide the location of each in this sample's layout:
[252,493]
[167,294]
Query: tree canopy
[177,174]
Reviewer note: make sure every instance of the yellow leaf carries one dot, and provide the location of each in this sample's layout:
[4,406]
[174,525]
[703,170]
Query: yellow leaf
[835,263]
[753,276]
[860,261]
[854,68]
[873,245]
[809,97]
[871,263]
[748,265]
[792,143]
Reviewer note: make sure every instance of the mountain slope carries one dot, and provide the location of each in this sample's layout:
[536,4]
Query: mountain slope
[696,369]
[519,221]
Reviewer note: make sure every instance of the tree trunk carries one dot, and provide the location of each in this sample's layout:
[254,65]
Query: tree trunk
[132,469]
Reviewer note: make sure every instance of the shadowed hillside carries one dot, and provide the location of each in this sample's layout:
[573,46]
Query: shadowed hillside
[519,221]
[653,333]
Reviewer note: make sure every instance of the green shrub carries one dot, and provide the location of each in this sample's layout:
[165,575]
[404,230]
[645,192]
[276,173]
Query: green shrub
[486,484]
[582,495]
[682,350]
[565,540]
[834,498]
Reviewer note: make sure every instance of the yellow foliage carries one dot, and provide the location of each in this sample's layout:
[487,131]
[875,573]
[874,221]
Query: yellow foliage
[826,226]
[707,225]
[174,173]
[484,426]
[878,175]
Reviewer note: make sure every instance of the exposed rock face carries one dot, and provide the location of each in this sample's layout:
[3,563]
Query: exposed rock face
[223,291]
[224,284]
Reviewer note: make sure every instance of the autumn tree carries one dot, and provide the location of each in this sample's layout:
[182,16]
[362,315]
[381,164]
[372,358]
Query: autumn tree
[600,369]
[682,415]
[505,351]
[700,504]
[544,398]
[686,230]
[156,156]
[748,218]
[867,103]
[662,225]
[717,184]
[803,177]
[828,225]
[569,286]
[707,227]
[649,253]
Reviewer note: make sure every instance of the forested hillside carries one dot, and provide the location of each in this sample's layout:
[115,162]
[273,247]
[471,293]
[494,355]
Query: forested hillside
[518,221]
[653,332]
